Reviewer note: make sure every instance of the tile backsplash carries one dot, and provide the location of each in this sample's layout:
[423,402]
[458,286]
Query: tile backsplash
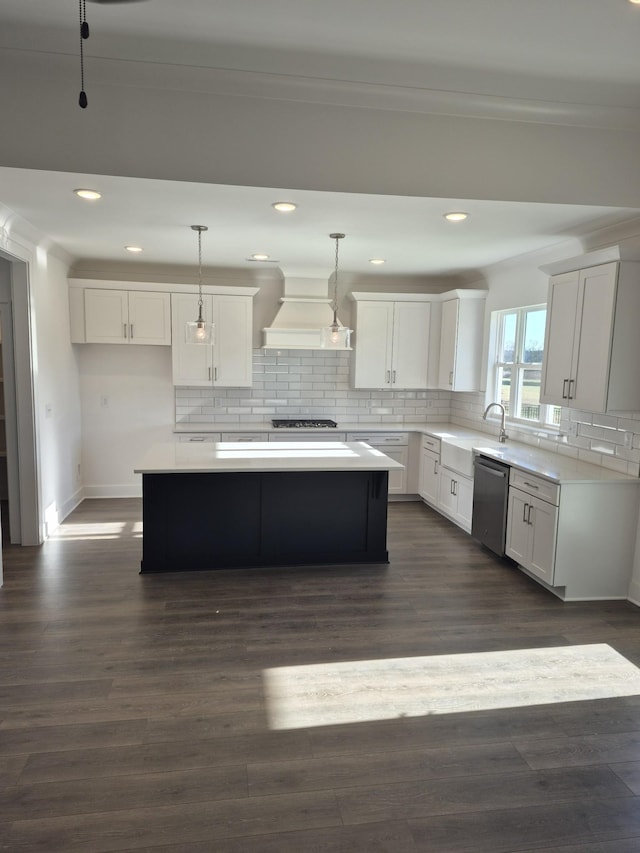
[612,441]
[302,383]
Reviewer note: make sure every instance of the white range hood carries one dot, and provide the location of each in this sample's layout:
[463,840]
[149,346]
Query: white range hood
[305,311]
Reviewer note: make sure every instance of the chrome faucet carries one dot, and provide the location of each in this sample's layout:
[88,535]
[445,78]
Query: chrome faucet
[503,433]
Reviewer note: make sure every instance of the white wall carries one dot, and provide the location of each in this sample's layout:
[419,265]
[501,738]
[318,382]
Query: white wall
[135,384]
[47,389]
[56,390]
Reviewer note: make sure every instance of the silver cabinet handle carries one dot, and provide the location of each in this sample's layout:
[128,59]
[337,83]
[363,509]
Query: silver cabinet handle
[564,389]
[571,396]
[215,374]
[451,487]
[209,374]
[435,466]
[388,377]
[529,514]
[531,485]
[454,483]
[197,438]
[451,377]
[125,330]
[394,377]
[524,513]
[131,330]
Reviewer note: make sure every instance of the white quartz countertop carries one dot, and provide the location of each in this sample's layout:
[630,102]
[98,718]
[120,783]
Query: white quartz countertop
[184,457]
[558,467]
[552,466]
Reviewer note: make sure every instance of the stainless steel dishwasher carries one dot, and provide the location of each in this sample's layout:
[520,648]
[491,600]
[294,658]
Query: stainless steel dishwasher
[490,495]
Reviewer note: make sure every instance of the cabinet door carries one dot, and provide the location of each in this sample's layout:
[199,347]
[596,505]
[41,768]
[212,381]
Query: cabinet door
[543,522]
[373,345]
[594,330]
[192,363]
[429,476]
[447,500]
[448,343]
[106,316]
[464,508]
[517,544]
[562,306]
[410,350]
[398,477]
[232,334]
[149,318]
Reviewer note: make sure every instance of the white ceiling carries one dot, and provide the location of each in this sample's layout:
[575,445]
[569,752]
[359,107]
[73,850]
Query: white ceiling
[586,50]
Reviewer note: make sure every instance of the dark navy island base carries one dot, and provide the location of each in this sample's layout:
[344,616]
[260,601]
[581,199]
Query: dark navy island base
[222,520]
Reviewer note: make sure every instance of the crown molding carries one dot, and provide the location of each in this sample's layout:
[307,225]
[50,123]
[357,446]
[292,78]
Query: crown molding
[29,65]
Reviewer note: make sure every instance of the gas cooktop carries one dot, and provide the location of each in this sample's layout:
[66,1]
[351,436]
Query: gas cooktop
[303,423]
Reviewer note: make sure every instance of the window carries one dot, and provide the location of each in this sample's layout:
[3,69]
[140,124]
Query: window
[518,366]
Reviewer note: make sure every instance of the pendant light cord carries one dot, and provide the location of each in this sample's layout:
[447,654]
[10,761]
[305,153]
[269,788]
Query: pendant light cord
[200,300]
[337,238]
[84,34]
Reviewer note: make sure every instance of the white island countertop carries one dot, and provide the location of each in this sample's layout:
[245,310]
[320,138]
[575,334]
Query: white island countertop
[235,456]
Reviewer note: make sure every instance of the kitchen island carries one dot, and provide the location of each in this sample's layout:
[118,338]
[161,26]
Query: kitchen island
[232,505]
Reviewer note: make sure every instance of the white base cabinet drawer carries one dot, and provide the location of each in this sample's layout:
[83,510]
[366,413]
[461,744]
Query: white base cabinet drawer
[245,436]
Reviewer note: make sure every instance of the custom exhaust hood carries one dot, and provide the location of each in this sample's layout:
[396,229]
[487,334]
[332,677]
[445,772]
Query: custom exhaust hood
[305,315]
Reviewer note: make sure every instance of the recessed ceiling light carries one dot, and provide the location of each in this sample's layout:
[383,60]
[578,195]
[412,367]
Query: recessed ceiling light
[90,195]
[377,261]
[284,206]
[259,257]
[456,216]
[134,249]
[636,2]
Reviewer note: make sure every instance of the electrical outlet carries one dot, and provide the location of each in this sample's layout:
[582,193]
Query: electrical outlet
[104,402]
[628,440]
[573,428]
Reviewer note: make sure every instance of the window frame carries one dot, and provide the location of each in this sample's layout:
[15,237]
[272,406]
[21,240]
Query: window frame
[517,367]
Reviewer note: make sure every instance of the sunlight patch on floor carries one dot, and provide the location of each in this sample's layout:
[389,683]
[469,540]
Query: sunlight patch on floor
[358,691]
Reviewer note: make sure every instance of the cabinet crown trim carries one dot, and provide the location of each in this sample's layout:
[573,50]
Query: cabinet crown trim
[593,259]
[161,287]
[362,296]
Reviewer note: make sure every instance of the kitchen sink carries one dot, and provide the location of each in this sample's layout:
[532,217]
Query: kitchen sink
[457,453]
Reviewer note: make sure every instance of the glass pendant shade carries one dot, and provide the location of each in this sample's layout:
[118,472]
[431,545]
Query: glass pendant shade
[336,336]
[199,331]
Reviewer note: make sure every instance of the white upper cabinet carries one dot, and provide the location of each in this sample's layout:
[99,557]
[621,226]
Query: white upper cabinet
[391,340]
[226,362]
[121,317]
[461,340]
[591,339]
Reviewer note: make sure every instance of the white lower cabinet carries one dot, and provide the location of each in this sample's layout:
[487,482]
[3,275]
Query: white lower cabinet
[455,497]
[306,435]
[578,538]
[199,437]
[531,533]
[396,446]
[429,480]
[245,436]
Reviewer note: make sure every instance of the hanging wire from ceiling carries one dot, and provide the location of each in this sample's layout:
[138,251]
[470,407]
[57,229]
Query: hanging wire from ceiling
[84,34]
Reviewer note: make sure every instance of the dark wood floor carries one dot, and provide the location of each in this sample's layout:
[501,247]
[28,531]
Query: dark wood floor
[132,712]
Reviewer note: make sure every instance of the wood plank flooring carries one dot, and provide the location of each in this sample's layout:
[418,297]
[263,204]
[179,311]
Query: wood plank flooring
[133,713]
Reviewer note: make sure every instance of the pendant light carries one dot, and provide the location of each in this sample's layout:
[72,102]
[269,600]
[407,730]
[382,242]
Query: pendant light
[336,336]
[199,331]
